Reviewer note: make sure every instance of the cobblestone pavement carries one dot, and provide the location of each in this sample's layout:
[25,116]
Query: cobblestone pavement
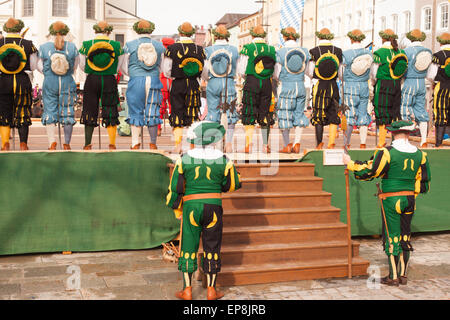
[143,275]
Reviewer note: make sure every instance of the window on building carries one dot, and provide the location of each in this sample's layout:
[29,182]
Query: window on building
[349,23]
[338,26]
[369,18]
[330,24]
[426,18]
[60,8]
[443,23]
[28,8]
[383,23]
[395,23]
[120,38]
[407,21]
[90,9]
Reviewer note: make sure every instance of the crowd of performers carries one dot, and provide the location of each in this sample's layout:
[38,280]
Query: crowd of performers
[349,88]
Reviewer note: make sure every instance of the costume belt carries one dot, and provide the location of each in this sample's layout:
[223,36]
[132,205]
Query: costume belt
[384,196]
[202,196]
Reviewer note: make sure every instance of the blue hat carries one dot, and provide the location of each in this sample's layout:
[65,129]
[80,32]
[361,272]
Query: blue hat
[295,61]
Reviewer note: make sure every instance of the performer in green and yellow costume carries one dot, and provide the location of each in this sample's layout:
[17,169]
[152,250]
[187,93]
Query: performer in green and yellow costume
[198,180]
[101,59]
[405,173]
[439,76]
[257,64]
[390,66]
[18,59]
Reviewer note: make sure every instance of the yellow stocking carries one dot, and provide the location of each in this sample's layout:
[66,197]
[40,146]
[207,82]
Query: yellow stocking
[112,133]
[249,131]
[178,135]
[383,134]
[333,133]
[5,134]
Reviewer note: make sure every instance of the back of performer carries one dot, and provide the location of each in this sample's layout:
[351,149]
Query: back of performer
[166,108]
[257,63]
[324,69]
[220,71]
[184,62]
[144,88]
[439,75]
[390,66]
[58,61]
[101,60]
[356,74]
[18,58]
[414,92]
[292,61]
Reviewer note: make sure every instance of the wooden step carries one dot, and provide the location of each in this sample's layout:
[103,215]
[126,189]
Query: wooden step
[261,200]
[281,184]
[283,234]
[275,169]
[292,271]
[287,252]
[277,217]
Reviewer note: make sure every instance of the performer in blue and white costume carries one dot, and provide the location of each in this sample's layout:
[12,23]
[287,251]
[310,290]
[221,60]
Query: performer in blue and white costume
[414,92]
[220,67]
[144,95]
[355,73]
[58,60]
[290,69]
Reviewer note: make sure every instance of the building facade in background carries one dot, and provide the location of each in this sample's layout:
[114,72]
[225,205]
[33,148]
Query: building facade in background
[432,18]
[245,25]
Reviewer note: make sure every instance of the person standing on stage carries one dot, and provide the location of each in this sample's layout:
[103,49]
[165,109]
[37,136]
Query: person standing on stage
[292,61]
[405,173]
[58,61]
[101,59]
[414,92]
[166,108]
[18,60]
[184,62]
[324,70]
[439,75]
[257,64]
[219,72]
[198,180]
[144,95]
[355,73]
[390,66]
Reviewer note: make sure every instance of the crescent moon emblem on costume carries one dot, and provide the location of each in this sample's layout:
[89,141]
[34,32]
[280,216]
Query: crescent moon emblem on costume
[191,218]
[213,223]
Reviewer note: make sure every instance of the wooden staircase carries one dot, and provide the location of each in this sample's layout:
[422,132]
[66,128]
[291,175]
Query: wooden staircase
[283,228]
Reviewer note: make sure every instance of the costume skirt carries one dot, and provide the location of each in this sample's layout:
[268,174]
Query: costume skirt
[15,100]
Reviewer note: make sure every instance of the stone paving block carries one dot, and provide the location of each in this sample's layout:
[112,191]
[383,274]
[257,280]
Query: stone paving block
[45,271]
[125,280]
[50,296]
[7,274]
[101,268]
[124,293]
[92,281]
[161,278]
[9,289]
[20,260]
[43,286]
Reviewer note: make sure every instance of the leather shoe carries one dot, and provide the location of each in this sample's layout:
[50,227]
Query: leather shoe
[320,146]
[53,147]
[213,294]
[331,147]
[186,294]
[425,145]
[88,148]
[296,148]
[287,149]
[67,147]
[6,147]
[363,146]
[153,146]
[136,147]
[403,281]
[389,282]
[23,146]
[112,147]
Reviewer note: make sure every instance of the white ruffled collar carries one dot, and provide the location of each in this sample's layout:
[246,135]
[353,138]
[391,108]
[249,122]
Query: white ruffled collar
[205,154]
[403,145]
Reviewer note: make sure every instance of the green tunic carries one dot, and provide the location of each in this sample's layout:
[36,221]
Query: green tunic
[400,171]
[118,51]
[201,218]
[257,65]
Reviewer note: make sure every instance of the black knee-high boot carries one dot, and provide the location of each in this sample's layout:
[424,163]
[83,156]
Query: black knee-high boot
[440,131]
[319,134]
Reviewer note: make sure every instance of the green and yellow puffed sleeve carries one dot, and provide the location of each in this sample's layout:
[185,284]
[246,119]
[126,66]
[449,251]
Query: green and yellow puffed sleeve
[232,178]
[177,189]
[423,177]
[377,167]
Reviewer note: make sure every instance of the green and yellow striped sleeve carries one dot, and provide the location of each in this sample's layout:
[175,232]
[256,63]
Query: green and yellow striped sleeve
[423,177]
[377,167]
[232,178]
[176,187]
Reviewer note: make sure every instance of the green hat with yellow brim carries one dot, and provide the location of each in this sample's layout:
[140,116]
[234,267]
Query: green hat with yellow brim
[402,126]
[205,133]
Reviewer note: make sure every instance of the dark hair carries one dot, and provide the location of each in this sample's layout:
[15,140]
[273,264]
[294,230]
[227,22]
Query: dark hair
[394,44]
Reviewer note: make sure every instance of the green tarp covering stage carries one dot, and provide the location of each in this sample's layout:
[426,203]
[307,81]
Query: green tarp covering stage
[433,210]
[55,202]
